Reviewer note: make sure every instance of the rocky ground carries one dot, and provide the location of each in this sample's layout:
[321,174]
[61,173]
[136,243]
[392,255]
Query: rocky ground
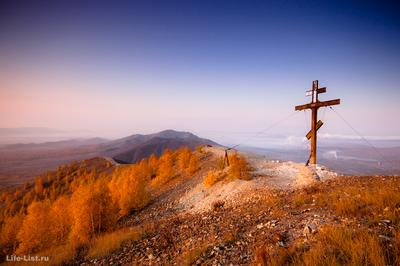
[226,224]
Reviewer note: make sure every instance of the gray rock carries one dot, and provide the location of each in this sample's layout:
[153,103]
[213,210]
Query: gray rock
[309,229]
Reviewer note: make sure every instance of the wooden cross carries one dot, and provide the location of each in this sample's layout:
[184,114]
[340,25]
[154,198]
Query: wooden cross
[315,124]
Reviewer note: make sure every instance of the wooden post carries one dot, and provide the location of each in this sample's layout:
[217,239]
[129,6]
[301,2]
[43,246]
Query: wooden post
[226,157]
[314,114]
[313,155]
[315,124]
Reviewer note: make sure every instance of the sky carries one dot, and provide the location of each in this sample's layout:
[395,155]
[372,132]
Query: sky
[221,69]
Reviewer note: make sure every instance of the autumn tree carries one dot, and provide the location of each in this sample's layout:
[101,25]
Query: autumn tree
[17,194]
[128,188]
[34,235]
[91,210]
[193,165]
[143,168]
[26,185]
[60,220]
[49,176]
[165,171]
[28,198]
[183,155]
[153,165]
[14,207]
[59,173]
[9,232]
[39,186]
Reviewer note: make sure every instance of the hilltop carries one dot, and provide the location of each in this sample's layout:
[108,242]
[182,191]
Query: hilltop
[256,211]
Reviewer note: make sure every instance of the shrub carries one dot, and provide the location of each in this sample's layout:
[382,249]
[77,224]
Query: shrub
[211,178]
[199,149]
[239,168]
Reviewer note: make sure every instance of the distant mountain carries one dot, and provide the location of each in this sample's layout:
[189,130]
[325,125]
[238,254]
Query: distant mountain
[57,144]
[37,135]
[137,147]
[24,161]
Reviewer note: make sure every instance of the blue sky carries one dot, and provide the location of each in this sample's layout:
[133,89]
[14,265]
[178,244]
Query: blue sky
[222,69]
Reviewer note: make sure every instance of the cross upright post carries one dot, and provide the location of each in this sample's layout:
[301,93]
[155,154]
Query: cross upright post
[314,117]
[315,123]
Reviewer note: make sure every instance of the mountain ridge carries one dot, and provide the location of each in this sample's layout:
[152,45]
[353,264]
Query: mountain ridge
[21,162]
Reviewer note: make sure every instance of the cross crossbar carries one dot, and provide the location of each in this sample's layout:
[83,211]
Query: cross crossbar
[317,104]
[317,126]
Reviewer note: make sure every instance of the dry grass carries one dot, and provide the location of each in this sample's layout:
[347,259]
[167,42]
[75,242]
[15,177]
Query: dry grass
[344,246]
[301,198]
[221,163]
[332,246]
[192,252]
[372,198]
[60,255]
[395,260]
[191,255]
[103,245]
[366,199]
[271,199]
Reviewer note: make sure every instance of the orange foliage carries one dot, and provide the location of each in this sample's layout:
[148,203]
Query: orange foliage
[78,202]
[239,168]
[153,165]
[165,171]
[34,235]
[9,232]
[92,211]
[211,178]
[61,220]
[128,187]
[39,186]
[184,155]
[193,165]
